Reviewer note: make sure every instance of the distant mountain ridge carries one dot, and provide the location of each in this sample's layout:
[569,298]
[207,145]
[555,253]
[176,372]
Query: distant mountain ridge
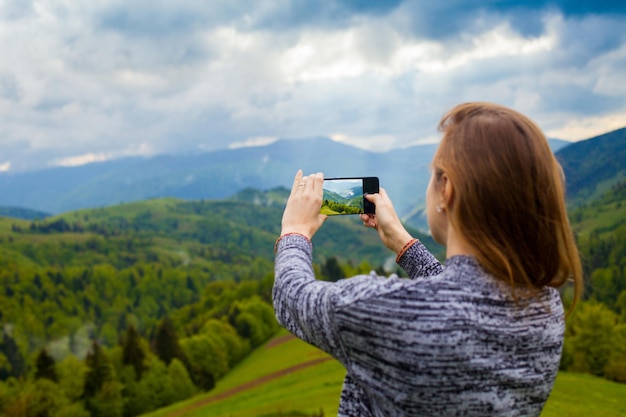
[404,173]
[22,213]
[213,175]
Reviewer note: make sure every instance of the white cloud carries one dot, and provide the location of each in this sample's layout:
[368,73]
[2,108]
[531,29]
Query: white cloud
[5,166]
[376,143]
[500,42]
[324,56]
[83,82]
[251,142]
[78,160]
[588,127]
[143,149]
[610,72]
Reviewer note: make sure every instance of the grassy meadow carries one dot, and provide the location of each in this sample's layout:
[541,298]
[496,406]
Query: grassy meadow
[258,388]
[305,391]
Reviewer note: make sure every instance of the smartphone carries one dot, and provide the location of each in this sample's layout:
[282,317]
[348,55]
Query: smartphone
[345,195]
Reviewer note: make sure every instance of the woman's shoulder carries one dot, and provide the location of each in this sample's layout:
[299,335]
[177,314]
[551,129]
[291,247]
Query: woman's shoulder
[463,283]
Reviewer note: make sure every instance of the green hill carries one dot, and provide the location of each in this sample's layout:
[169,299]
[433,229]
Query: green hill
[97,270]
[307,390]
[603,215]
[284,376]
[591,166]
[247,224]
[287,377]
[600,229]
[90,275]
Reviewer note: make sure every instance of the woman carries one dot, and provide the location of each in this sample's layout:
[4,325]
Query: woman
[478,336]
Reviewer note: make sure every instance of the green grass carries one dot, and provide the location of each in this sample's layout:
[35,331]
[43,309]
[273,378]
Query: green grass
[602,218]
[316,388]
[306,391]
[581,395]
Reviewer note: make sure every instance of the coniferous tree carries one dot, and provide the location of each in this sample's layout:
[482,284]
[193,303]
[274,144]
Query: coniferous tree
[103,392]
[166,343]
[331,270]
[46,366]
[14,357]
[191,285]
[99,370]
[132,353]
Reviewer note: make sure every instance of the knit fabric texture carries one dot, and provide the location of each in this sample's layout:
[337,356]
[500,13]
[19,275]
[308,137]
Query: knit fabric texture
[449,341]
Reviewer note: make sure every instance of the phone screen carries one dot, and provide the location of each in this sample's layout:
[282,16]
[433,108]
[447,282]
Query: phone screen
[345,195]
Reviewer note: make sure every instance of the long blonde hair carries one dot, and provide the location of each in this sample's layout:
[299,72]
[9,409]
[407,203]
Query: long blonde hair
[509,196]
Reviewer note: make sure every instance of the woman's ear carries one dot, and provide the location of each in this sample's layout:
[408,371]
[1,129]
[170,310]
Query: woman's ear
[447,191]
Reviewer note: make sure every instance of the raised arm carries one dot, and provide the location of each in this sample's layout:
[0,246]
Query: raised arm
[411,254]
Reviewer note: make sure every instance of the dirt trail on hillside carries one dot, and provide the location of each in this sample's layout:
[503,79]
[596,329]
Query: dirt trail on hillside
[251,384]
[279,341]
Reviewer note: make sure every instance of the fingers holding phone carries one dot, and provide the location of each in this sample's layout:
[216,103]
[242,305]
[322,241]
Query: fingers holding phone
[386,221]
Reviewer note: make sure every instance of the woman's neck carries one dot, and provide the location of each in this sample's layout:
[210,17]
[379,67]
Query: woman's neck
[456,244]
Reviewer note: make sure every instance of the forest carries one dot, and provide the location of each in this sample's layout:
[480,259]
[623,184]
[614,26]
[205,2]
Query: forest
[121,310]
[118,311]
[595,340]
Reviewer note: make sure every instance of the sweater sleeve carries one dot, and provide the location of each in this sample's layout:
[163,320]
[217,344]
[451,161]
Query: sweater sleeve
[303,305]
[307,307]
[418,262]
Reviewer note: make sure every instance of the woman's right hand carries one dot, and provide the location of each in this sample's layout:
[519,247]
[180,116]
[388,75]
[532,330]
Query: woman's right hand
[386,222]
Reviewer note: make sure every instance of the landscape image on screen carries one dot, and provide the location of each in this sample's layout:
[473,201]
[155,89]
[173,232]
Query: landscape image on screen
[343,197]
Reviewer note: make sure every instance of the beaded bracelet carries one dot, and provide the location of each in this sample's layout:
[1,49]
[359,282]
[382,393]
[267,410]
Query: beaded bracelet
[405,248]
[289,234]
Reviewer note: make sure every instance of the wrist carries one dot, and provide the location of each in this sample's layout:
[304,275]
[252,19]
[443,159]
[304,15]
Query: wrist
[294,231]
[406,247]
[399,242]
[283,235]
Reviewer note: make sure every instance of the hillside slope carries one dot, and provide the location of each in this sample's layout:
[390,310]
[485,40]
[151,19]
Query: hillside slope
[591,166]
[98,267]
[288,377]
[247,222]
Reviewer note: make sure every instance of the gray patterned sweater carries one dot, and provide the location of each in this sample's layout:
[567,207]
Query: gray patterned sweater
[450,341]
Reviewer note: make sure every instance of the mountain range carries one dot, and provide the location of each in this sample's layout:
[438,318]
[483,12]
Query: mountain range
[404,173]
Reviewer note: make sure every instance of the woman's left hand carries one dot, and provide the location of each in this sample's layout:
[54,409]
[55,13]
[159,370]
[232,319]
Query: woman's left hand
[302,213]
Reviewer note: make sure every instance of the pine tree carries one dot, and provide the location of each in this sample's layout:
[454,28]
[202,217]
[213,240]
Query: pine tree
[46,366]
[166,343]
[99,370]
[132,353]
[331,270]
[12,352]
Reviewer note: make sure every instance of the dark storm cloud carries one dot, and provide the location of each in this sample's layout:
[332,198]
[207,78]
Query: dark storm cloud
[592,36]
[158,19]
[584,7]
[447,19]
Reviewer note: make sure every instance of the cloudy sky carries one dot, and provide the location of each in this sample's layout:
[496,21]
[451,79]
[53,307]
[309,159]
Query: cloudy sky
[91,80]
